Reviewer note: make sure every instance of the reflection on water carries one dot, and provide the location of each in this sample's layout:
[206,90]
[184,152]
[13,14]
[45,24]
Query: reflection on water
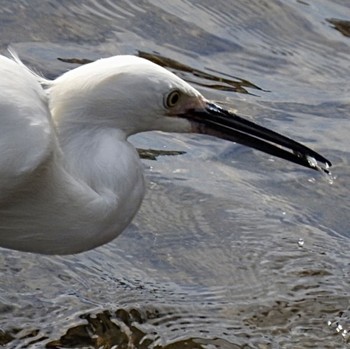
[231,249]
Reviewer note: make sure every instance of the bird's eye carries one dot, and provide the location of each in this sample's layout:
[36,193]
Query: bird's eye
[172,98]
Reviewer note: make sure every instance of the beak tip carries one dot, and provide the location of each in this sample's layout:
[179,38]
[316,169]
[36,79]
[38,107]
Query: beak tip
[217,121]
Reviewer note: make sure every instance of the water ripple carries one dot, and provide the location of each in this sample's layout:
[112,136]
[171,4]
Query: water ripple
[214,258]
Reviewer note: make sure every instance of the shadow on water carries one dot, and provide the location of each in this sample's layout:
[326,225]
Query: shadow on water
[222,84]
[189,74]
[341,25]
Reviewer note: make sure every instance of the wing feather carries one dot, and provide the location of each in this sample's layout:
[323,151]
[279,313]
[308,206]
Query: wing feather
[26,128]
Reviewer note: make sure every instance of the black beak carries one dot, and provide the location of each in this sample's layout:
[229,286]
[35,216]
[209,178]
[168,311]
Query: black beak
[216,121]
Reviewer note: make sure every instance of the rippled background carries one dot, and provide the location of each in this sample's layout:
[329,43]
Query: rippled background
[231,248]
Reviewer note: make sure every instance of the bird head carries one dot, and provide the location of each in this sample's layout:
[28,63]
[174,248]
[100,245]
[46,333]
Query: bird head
[134,95]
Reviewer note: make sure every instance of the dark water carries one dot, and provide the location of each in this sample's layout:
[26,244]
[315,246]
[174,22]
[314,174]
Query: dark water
[231,249]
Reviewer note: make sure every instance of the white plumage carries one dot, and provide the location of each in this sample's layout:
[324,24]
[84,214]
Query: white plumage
[69,179]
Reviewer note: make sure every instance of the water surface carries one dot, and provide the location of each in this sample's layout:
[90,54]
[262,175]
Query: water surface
[231,248]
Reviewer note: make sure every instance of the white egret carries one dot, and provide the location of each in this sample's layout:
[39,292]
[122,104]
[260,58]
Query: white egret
[69,179]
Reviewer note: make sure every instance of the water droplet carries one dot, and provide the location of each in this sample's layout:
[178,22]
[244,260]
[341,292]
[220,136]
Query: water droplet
[300,242]
[339,328]
[312,161]
[180,170]
[331,178]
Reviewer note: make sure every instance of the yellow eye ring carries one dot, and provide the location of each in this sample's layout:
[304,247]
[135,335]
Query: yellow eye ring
[172,99]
